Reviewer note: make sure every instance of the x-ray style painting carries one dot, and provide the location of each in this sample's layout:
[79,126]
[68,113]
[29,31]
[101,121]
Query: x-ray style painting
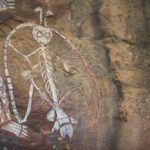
[47,71]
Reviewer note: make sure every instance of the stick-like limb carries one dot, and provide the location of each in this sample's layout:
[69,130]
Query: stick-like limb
[16,50]
[34,52]
[28,111]
[42,94]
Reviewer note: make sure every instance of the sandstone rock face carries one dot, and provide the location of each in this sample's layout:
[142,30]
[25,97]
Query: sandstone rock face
[113,38]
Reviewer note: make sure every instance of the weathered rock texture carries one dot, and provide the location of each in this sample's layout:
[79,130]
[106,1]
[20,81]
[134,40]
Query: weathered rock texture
[114,38]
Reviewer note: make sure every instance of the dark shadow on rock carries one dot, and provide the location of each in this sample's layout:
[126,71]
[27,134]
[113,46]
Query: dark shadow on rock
[96,21]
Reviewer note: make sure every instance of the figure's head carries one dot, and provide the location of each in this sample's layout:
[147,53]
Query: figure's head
[42,34]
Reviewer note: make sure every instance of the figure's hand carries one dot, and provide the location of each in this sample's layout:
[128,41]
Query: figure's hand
[67,68]
[32,73]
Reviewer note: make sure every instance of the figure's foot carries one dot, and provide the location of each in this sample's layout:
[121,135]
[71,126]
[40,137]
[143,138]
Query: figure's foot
[63,123]
[17,129]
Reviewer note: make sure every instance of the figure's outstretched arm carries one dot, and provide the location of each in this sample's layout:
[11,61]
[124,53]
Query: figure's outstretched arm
[26,57]
[64,66]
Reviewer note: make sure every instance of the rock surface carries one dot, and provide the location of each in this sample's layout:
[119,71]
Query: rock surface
[113,36]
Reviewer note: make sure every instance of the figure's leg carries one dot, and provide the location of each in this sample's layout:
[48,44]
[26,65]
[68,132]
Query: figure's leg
[4,104]
[42,94]
[5,118]
[28,111]
[17,129]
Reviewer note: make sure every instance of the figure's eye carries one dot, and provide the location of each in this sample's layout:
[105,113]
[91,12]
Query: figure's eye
[47,35]
[39,34]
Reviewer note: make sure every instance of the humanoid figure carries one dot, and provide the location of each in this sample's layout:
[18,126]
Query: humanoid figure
[42,35]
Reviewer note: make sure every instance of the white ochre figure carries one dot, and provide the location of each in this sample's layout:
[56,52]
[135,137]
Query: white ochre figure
[7,4]
[6,122]
[42,35]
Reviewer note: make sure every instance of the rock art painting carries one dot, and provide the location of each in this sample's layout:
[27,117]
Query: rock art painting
[47,74]
[5,116]
[6,4]
[74,75]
